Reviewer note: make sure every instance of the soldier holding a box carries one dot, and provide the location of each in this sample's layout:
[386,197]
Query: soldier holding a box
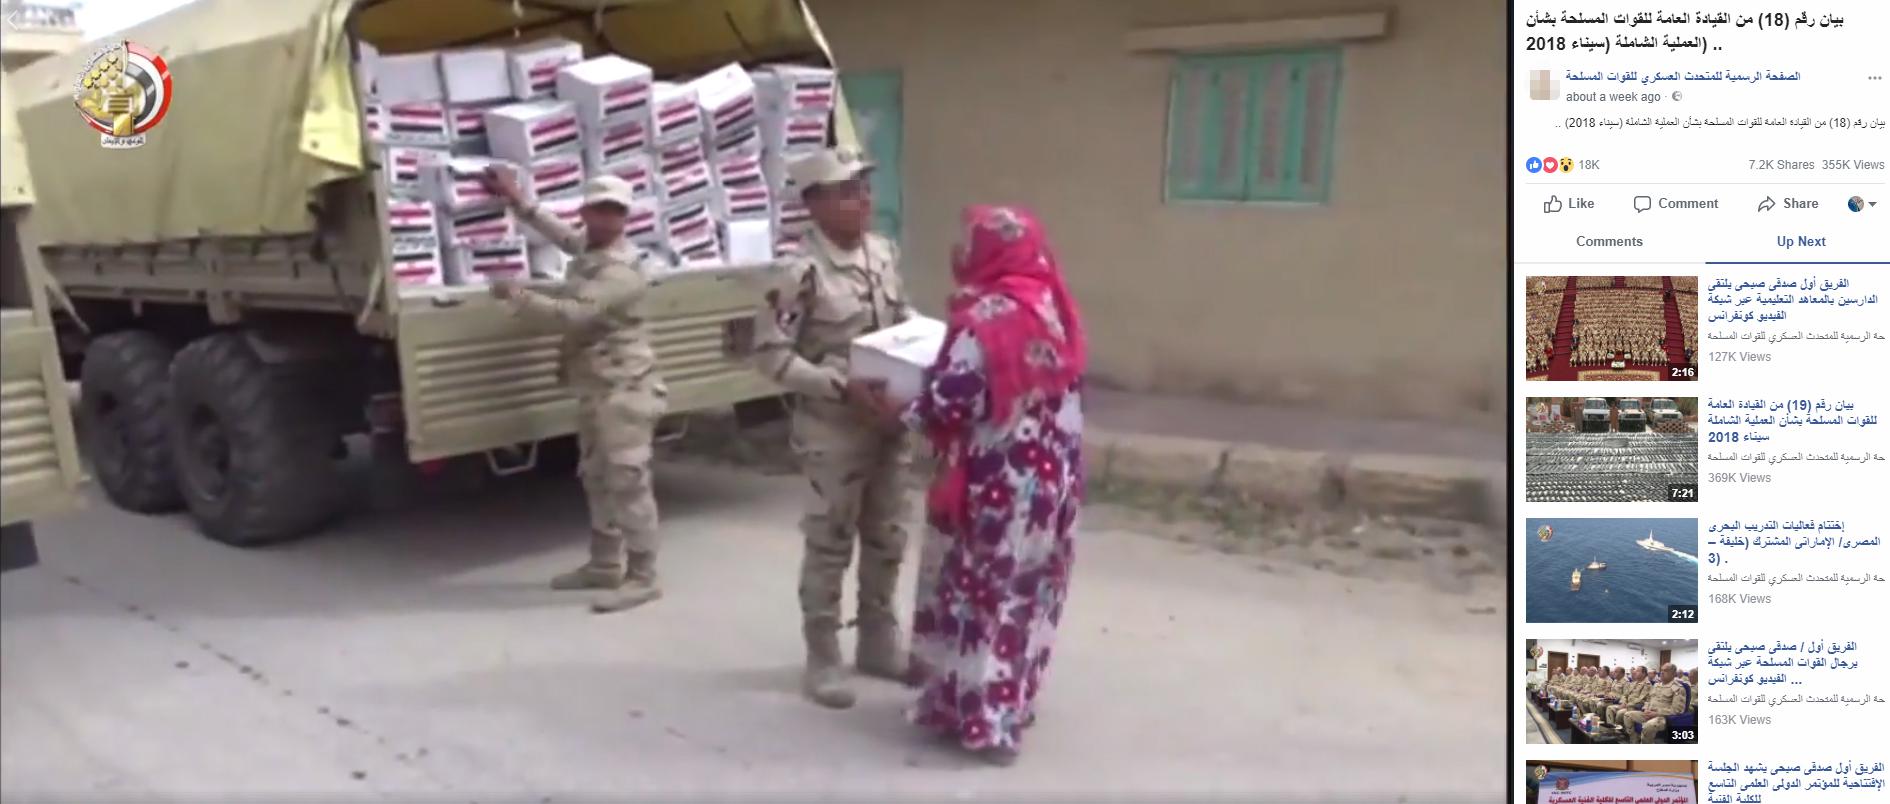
[844,283]
[607,361]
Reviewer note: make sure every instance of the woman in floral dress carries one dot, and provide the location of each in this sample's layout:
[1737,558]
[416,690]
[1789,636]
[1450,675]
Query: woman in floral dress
[1002,408]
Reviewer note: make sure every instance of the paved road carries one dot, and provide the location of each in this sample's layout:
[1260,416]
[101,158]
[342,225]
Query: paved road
[417,655]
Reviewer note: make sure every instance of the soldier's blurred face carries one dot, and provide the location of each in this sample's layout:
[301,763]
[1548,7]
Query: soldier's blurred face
[843,210]
[603,222]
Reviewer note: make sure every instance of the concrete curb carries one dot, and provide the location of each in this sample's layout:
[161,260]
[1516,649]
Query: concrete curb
[1405,485]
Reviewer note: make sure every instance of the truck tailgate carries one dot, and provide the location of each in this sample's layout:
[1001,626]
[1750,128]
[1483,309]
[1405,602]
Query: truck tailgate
[475,378]
[39,460]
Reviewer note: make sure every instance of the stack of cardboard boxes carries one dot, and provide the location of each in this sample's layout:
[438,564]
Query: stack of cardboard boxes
[705,158]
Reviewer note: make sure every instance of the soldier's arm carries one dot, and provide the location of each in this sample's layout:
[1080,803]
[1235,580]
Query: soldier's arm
[777,328]
[567,238]
[616,287]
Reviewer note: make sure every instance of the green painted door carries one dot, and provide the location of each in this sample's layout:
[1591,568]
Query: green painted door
[875,99]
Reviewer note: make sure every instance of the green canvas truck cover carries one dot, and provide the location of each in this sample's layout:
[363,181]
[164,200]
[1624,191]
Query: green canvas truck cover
[263,110]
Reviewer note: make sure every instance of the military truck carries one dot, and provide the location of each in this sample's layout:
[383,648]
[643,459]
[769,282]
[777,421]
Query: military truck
[39,458]
[231,276]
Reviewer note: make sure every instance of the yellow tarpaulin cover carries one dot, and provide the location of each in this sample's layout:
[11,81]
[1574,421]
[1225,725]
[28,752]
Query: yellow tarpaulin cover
[263,109]
[16,179]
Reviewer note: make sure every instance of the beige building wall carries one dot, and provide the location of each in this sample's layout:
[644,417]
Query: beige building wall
[1389,299]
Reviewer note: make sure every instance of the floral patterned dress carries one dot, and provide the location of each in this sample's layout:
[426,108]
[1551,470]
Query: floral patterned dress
[985,623]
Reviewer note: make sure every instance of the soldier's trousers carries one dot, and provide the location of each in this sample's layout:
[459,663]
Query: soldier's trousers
[856,490]
[615,430]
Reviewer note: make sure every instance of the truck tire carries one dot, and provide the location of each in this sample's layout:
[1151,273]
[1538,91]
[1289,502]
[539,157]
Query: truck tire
[252,444]
[124,399]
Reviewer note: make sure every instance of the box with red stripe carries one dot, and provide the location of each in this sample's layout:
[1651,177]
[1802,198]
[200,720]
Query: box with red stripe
[374,121]
[424,123]
[458,184]
[404,169]
[553,175]
[681,155]
[745,141]
[795,133]
[673,107]
[740,170]
[745,202]
[415,264]
[614,142]
[534,66]
[687,227]
[690,185]
[608,89]
[565,208]
[727,98]
[478,226]
[469,123]
[638,169]
[787,89]
[412,220]
[644,225]
[530,131]
[480,263]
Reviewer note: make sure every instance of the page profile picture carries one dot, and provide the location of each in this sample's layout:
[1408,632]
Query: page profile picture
[1541,86]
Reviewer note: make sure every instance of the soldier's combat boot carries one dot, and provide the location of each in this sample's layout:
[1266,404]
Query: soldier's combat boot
[639,587]
[605,570]
[825,681]
[878,652]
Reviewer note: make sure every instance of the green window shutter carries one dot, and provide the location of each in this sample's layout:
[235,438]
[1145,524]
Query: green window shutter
[1253,127]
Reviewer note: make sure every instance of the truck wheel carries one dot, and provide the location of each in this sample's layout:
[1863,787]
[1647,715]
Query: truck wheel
[124,395]
[252,444]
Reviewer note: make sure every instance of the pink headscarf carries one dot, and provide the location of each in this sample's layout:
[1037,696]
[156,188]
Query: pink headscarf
[1011,295]
[1012,298]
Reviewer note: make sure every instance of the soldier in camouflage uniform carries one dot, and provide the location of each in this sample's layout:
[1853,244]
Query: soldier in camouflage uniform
[1666,699]
[606,359]
[843,283]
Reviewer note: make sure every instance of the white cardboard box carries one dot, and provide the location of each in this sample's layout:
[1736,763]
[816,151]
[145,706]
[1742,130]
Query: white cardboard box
[737,170]
[688,227]
[680,155]
[749,241]
[555,175]
[744,142]
[410,219]
[644,225]
[406,78]
[744,202]
[638,169]
[564,207]
[469,124]
[366,57]
[416,264]
[690,185]
[473,227]
[898,356]
[727,98]
[476,75]
[479,263]
[790,215]
[701,255]
[422,123]
[405,169]
[675,111]
[789,88]
[527,132]
[547,261]
[607,89]
[794,133]
[458,184]
[534,66]
[615,142]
